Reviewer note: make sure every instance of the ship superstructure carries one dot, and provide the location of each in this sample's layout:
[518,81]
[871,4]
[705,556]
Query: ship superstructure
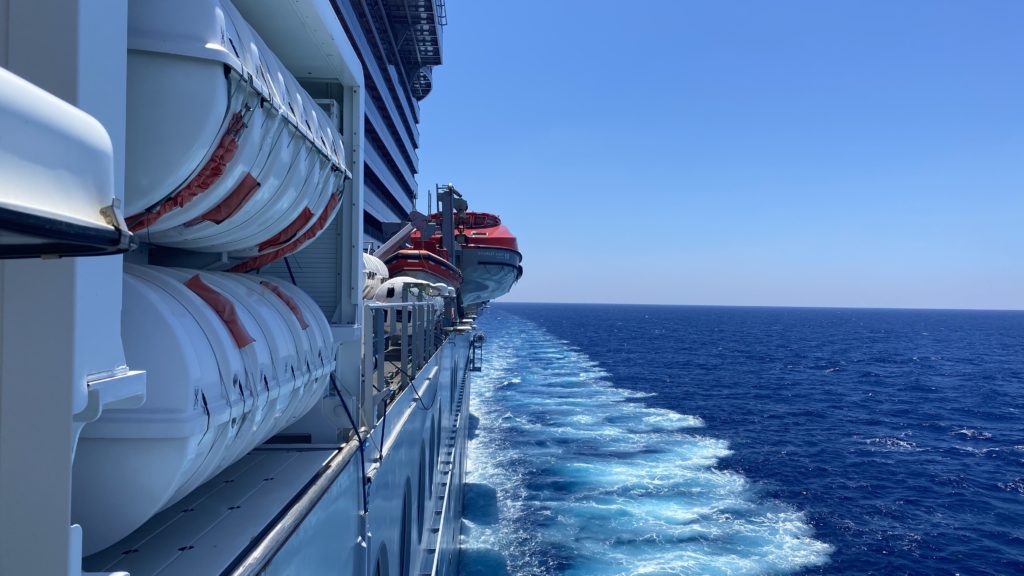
[209,392]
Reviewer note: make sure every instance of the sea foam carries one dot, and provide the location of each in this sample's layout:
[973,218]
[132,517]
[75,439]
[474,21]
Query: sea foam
[569,474]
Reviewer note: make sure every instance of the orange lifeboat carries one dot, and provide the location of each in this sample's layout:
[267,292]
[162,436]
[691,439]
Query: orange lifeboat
[490,260]
[426,261]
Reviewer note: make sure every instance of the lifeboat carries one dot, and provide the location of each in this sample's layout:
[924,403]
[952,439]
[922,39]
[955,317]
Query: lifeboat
[226,152]
[403,289]
[375,273]
[426,261]
[231,360]
[490,260]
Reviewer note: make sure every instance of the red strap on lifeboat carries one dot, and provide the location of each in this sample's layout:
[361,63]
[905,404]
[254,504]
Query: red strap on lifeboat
[232,203]
[224,308]
[288,233]
[207,176]
[294,245]
[288,300]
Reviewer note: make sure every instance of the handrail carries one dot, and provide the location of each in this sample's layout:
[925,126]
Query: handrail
[256,559]
[409,328]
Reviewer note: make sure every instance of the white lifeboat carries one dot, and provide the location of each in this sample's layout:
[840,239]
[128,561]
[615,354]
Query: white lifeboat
[230,361]
[225,150]
[375,273]
[416,290]
[438,295]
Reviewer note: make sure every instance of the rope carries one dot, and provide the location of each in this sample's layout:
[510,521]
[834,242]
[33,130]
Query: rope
[290,273]
[355,428]
[419,397]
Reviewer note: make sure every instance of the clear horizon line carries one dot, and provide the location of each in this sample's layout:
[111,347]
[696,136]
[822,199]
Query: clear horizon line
[835,307]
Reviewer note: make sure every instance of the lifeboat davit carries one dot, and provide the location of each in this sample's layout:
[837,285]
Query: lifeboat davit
[225,152]
[426,260]
[231,359]
[491,262]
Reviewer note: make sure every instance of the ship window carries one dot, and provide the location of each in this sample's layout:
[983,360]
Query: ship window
[391,292]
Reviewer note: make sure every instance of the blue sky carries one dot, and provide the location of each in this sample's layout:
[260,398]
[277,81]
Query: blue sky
[784,152]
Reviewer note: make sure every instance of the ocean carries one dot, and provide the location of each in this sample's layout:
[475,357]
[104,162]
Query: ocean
[660,440]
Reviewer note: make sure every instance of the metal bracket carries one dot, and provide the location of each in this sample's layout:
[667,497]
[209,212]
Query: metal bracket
[112,215]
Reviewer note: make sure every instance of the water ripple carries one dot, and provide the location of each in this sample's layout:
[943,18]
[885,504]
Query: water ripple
[582,478]
[898,435]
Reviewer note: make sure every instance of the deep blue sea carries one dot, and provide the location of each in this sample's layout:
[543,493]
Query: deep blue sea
[663,440]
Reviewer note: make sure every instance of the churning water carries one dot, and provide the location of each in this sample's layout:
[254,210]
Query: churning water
[836,442]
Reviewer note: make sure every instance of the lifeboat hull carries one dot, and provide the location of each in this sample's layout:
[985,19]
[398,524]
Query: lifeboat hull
[375,273]
[488,272]
[230,361]
[225,152]
[424,265]
[490,262]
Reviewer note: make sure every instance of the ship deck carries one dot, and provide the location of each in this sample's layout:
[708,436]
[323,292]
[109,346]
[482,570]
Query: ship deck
[204,532]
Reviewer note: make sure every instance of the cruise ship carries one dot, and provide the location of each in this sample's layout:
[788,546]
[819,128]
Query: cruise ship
[206,366]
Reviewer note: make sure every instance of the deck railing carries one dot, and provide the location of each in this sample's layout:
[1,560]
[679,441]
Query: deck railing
[400,338]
